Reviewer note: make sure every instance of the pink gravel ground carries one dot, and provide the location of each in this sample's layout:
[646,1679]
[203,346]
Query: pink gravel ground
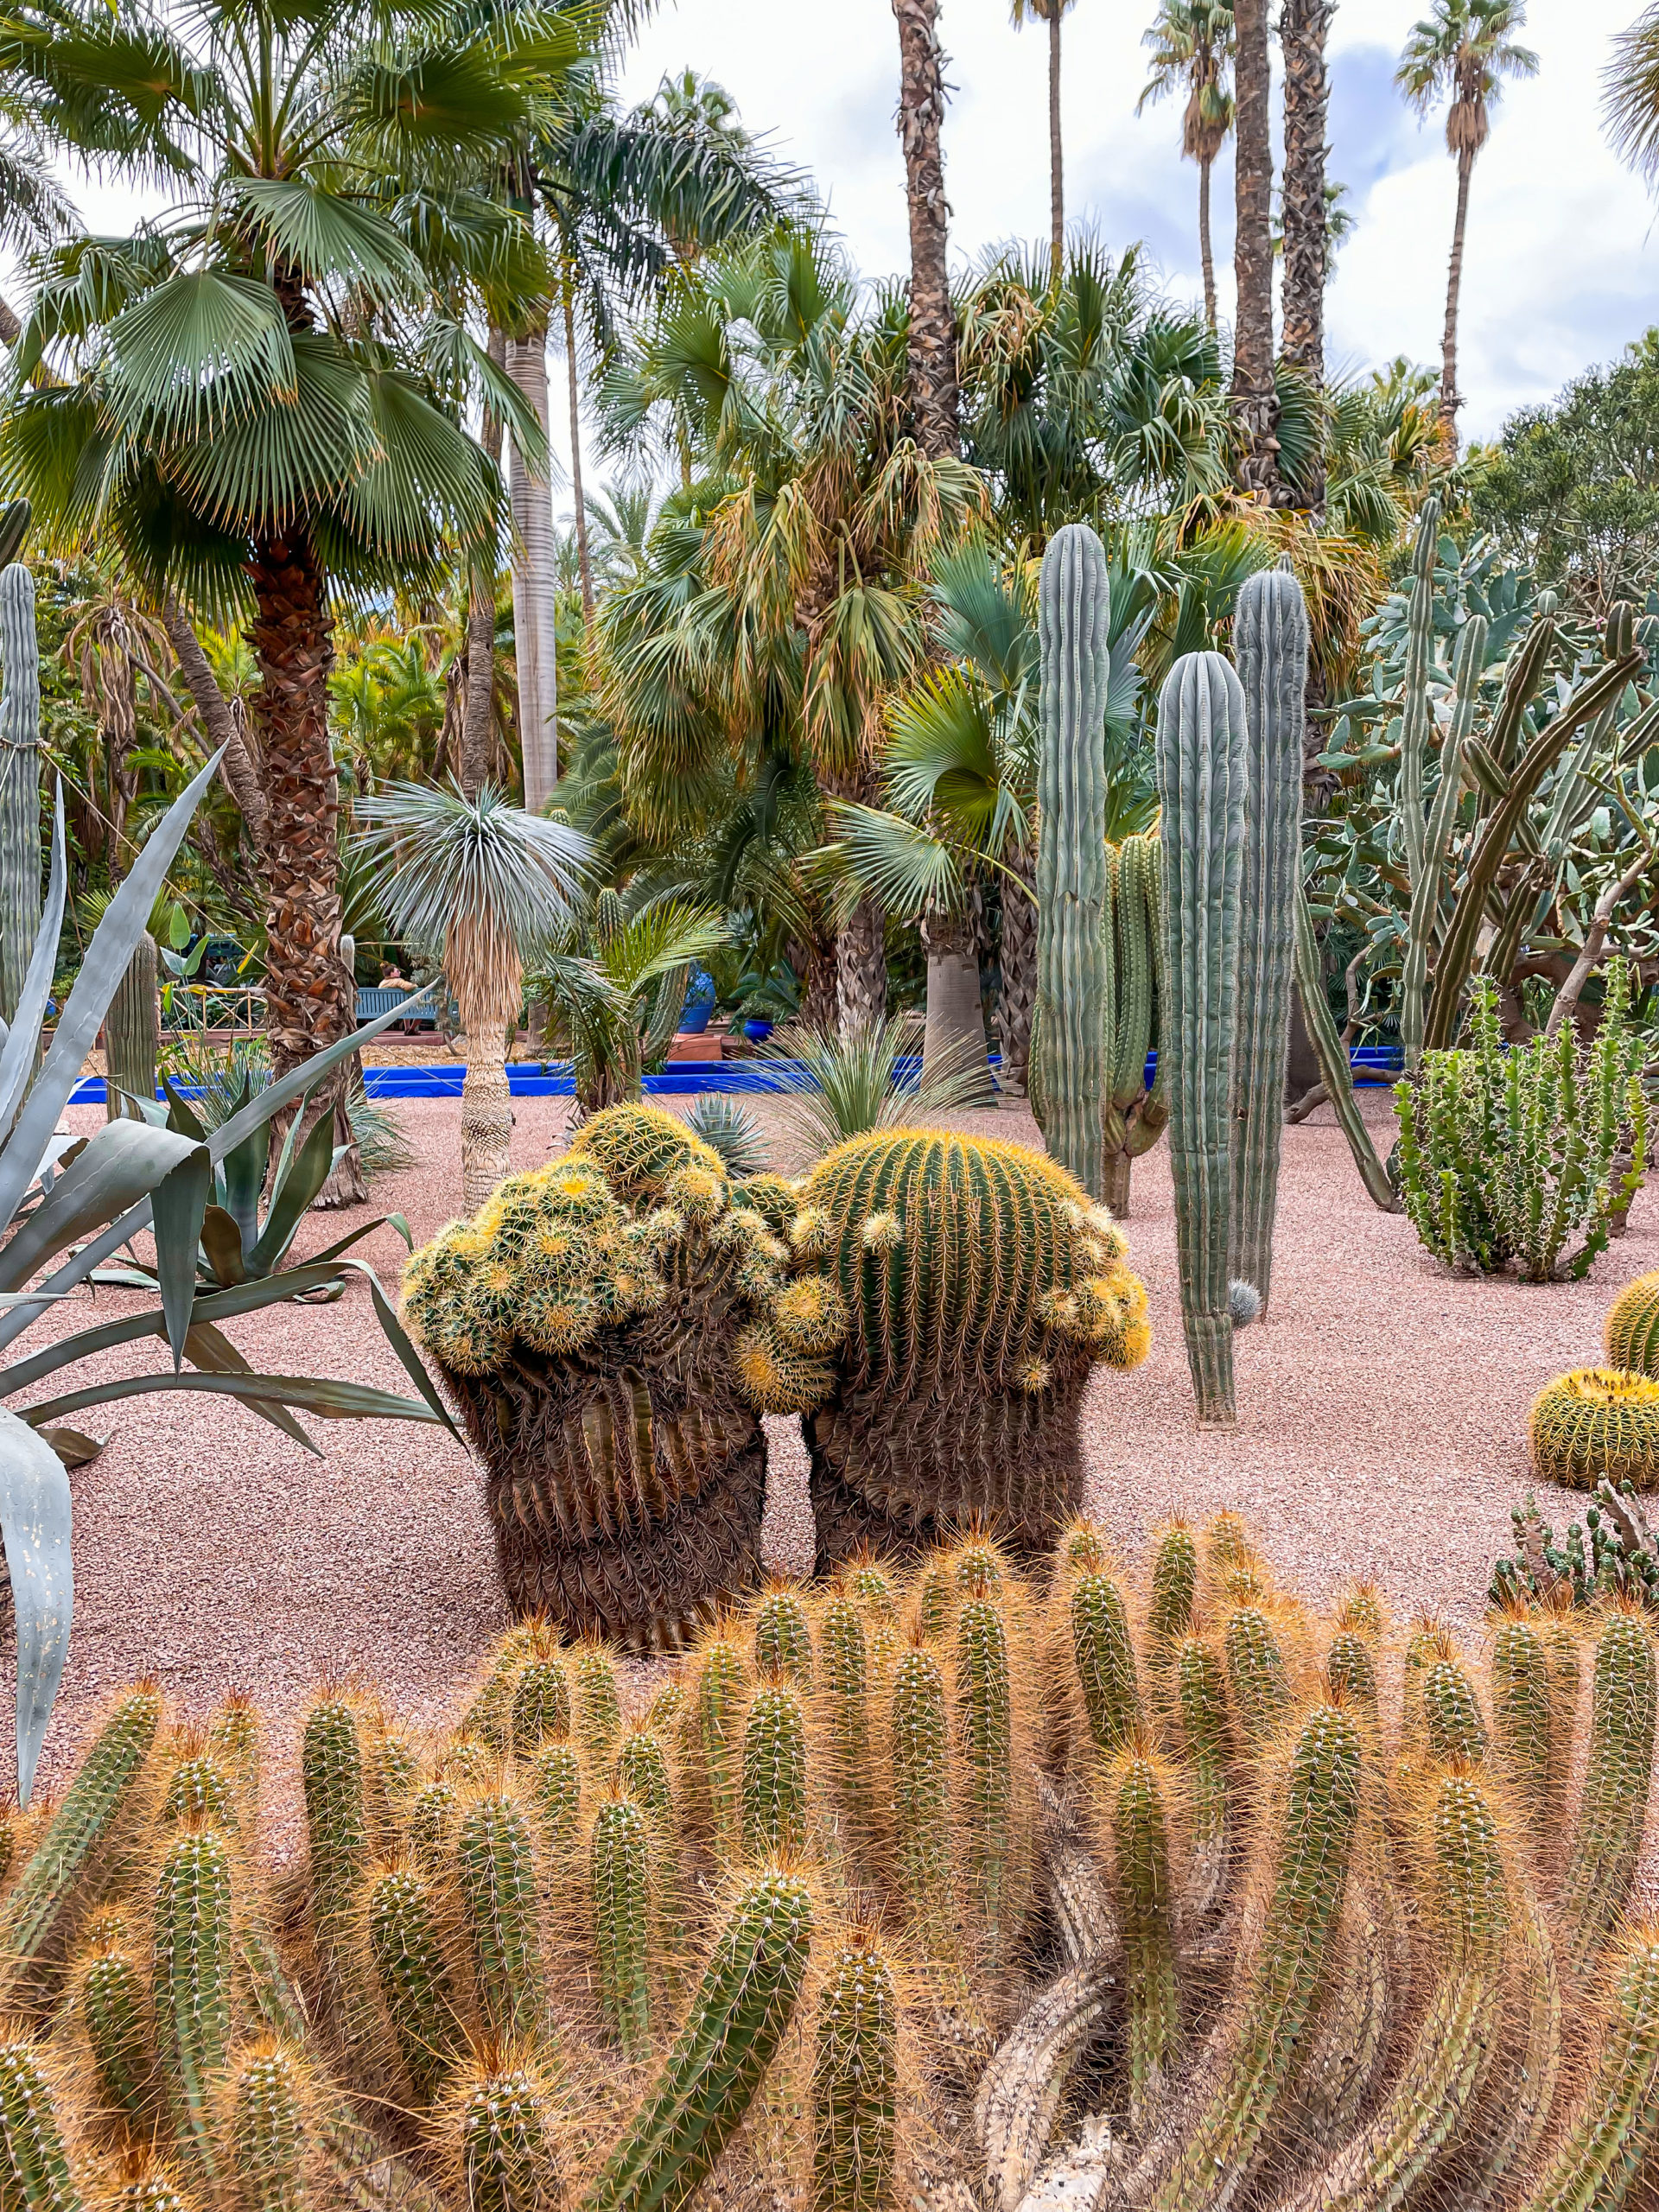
[1381,1411]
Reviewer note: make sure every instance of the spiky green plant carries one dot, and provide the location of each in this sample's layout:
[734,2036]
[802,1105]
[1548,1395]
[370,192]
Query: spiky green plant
[774,1774]
[855,2083]
[193,1962]
[496,1871]
[619,1870]
[1105,1661]
[271,2148]
[412,1971]
[37,2176]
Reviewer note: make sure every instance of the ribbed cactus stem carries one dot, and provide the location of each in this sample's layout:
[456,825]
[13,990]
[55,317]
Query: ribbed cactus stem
[233,1744]
[738,2015]
[722,1690]
[1270,647]
[1612,1804]
[919,1747]
[642,1773]
[1350,1671]
[1597,2162]
[199,1789]
[782,1637]
[506,2155]
[1203,780]
[407,1952]
[194,1961]
[598,1708]
[1073,968]
[81,1826]
[131,1035]
[1105,1661]
[496,1870]
[1152,1991]
[269,2142]
[432,1815]
[985,1741]
[1174,1586]
[1292,1965]
[336,1821]
[19,782]
[1453,1727]
[1521,1722]
[394,1777]
[34,2170]
[541,1706]
[774,1774]
[855,2083]
[112,2011]
[619,1858]
[1201,1701]
[844,1681]
[1255,1670]
[555,1790]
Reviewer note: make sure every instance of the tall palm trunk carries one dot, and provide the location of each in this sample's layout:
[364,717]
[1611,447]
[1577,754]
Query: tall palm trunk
[1303,25]
[1018,999]
[478,728]
[933,395]
[310,999]
[483,966]
[584,563]
[1056,157]
[1205,164]
[862,969]
[955,1028]
[1253,404]
[1450,401]
[535,585]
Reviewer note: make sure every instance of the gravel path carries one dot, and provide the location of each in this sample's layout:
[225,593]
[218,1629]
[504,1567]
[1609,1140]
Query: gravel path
[1381,1408]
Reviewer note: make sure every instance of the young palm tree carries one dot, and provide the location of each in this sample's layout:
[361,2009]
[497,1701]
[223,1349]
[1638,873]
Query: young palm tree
[260,396]
[1255,406]
[933,335]
[1049,12]
[1466,47]
[490,886]
[1191,43]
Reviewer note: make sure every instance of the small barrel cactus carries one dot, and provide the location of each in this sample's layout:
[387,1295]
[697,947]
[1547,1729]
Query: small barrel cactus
[1597,1421]
[1631,1336]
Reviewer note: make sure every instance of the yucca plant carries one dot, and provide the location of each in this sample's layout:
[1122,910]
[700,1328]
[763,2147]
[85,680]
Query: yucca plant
[834,1085]
[491,884]
[88,1197]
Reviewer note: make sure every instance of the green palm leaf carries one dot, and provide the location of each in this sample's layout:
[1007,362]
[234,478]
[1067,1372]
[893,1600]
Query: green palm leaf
[325,236]
[199,353]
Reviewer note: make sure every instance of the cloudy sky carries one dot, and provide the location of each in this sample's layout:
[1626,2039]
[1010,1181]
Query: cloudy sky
[1562,267]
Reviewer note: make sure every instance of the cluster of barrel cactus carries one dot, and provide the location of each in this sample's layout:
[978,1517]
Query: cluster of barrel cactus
[1603,1422]
[918,1889]
[612,1327]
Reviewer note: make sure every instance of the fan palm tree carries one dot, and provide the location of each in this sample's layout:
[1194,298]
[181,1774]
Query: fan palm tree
[1466,47]
[34,211]
[1191,43]
[1254,403]
[260,397]
[1631,94]
[1049,12]
[933,331]
[490,886]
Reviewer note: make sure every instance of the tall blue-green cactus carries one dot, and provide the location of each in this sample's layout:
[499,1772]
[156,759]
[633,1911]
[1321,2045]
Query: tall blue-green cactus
[1203,782]
[19,782]
[1270,650]
[1073,967]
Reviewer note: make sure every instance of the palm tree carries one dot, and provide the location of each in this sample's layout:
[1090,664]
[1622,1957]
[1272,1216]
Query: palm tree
[1049,12]
[932,333]
[489,885]
[1466,47]
[1303,213]
[1253,404]
[1191,43]
[261,397]
[35,212]
[1630,103]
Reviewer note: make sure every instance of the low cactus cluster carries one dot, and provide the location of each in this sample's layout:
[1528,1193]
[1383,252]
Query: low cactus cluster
[916,1889]
[1603,1422]
[612,1326]
[1613,1554]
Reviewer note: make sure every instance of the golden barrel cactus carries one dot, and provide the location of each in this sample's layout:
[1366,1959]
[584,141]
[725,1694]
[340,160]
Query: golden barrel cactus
[1632,1334]
[583,1321]
[949,1296]
[1597,1421]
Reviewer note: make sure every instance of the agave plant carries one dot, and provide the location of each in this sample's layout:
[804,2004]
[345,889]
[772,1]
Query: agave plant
[76,1201]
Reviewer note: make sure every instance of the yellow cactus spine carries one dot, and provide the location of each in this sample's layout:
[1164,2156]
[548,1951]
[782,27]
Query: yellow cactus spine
[1597,1421]
[855,2083]
[1105,1662]
[619,1859]
[1145,1901]
[1633,1328]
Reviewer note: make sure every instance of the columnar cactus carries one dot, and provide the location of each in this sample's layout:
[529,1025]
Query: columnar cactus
[1073,962]
[270,2149]
[855,2083]
[1105,1661]
[1203,782]
[496,1868]
[1270,647]
[619,1865]
[37,2176]
[413,1973]
[19,782]
[194,1964]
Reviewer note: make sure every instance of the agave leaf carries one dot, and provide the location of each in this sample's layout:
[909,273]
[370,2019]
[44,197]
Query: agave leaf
[303,1176]
[74,1449]
[22,1039]
[320,1393]
[123,1162]
[124,921]
[214,1354]
[221,1239]
[35,1520]
[345,1243]
[397,1337]
[244,1173]
[181,1114]
[178,1203]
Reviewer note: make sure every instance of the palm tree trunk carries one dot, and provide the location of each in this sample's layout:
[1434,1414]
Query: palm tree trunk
[310,999]
[535,585]
[861,969]
[1450,402]
[1019,996]
[485,973]
[583,563]
[1303,25]
[10,328]
[1253,404]
[1205,254]
[478,728]
[955,1028]
[933,395]
[1056,157]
